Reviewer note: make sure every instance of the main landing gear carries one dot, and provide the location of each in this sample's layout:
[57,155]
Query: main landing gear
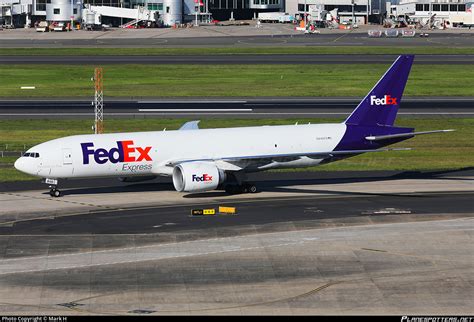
[237,183]
[241,188]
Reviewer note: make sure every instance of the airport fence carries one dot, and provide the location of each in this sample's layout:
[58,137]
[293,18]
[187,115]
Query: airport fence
[12,150]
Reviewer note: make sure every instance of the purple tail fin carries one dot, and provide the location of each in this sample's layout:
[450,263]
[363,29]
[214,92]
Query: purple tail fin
[380,106]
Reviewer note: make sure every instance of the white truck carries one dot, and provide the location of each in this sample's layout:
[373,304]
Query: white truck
[281,17]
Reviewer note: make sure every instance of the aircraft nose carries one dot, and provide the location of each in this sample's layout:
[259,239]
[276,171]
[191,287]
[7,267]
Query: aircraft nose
[21,165]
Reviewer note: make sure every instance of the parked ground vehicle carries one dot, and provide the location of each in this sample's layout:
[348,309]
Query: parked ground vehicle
[42,26]
[282,17]
[59,27]
[286,18]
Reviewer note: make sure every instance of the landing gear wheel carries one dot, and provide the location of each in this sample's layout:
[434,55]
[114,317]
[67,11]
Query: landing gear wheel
[244,188]
[252,188]
[249,188]
[55,193]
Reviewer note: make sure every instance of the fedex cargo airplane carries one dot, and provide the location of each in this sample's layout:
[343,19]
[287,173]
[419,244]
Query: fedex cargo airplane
[207,159]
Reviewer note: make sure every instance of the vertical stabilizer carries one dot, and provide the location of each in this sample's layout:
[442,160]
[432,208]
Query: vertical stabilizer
[380,106]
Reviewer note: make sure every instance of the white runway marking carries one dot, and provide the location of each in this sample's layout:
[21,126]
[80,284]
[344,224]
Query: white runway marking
[193,102]
[194,110]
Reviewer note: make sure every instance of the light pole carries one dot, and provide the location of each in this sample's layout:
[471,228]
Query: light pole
[367,10]
[353,15]
[380,10]
[305,22]
[196,6]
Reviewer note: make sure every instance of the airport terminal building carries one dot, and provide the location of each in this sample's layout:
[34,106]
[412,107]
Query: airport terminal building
[27,12]
[358,10]
[169,12]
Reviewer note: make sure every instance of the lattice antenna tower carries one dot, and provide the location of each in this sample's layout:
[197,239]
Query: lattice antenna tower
[99,100]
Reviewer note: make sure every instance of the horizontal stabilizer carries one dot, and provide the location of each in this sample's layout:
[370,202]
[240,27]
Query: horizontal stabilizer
[402,135]
[191,125]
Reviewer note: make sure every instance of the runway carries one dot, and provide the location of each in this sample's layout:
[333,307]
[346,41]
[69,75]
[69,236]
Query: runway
[338,244]
[234,59]
[225,107]
[272,35]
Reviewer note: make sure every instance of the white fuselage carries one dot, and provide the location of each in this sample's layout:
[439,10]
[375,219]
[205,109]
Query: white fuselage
[114,154]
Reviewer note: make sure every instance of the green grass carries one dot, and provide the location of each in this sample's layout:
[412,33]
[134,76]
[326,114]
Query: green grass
[227,80]
[448,151]
[243,50]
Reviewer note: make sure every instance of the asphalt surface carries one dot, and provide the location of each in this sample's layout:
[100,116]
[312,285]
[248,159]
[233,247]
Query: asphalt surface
[379,266]
[330,39]
[374,269]
[216,107]
[339,250]
[254,212]
[235,59]
[322,204]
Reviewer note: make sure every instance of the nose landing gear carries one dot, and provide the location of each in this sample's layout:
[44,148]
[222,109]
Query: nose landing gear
[55,192]
[53,183]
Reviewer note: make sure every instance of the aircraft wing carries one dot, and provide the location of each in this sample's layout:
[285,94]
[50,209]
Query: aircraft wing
[402,135]
[236,163]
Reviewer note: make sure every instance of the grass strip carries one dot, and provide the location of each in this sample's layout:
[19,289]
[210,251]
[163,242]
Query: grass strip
[227,80]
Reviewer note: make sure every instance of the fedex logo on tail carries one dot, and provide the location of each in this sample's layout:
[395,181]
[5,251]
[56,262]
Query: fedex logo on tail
[205,177]
[124,152]
[386,100]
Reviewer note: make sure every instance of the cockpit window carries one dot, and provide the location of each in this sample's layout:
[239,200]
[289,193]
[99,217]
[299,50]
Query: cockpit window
[31,155]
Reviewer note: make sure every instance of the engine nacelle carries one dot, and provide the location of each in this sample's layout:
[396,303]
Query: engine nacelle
[197,176]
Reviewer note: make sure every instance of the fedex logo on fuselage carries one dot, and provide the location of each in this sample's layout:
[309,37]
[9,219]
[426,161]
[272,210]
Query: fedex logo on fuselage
[386,100]
[205,177]
[124,152]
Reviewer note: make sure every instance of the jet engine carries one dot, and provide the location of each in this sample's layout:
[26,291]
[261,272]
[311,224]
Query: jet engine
[197,176]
